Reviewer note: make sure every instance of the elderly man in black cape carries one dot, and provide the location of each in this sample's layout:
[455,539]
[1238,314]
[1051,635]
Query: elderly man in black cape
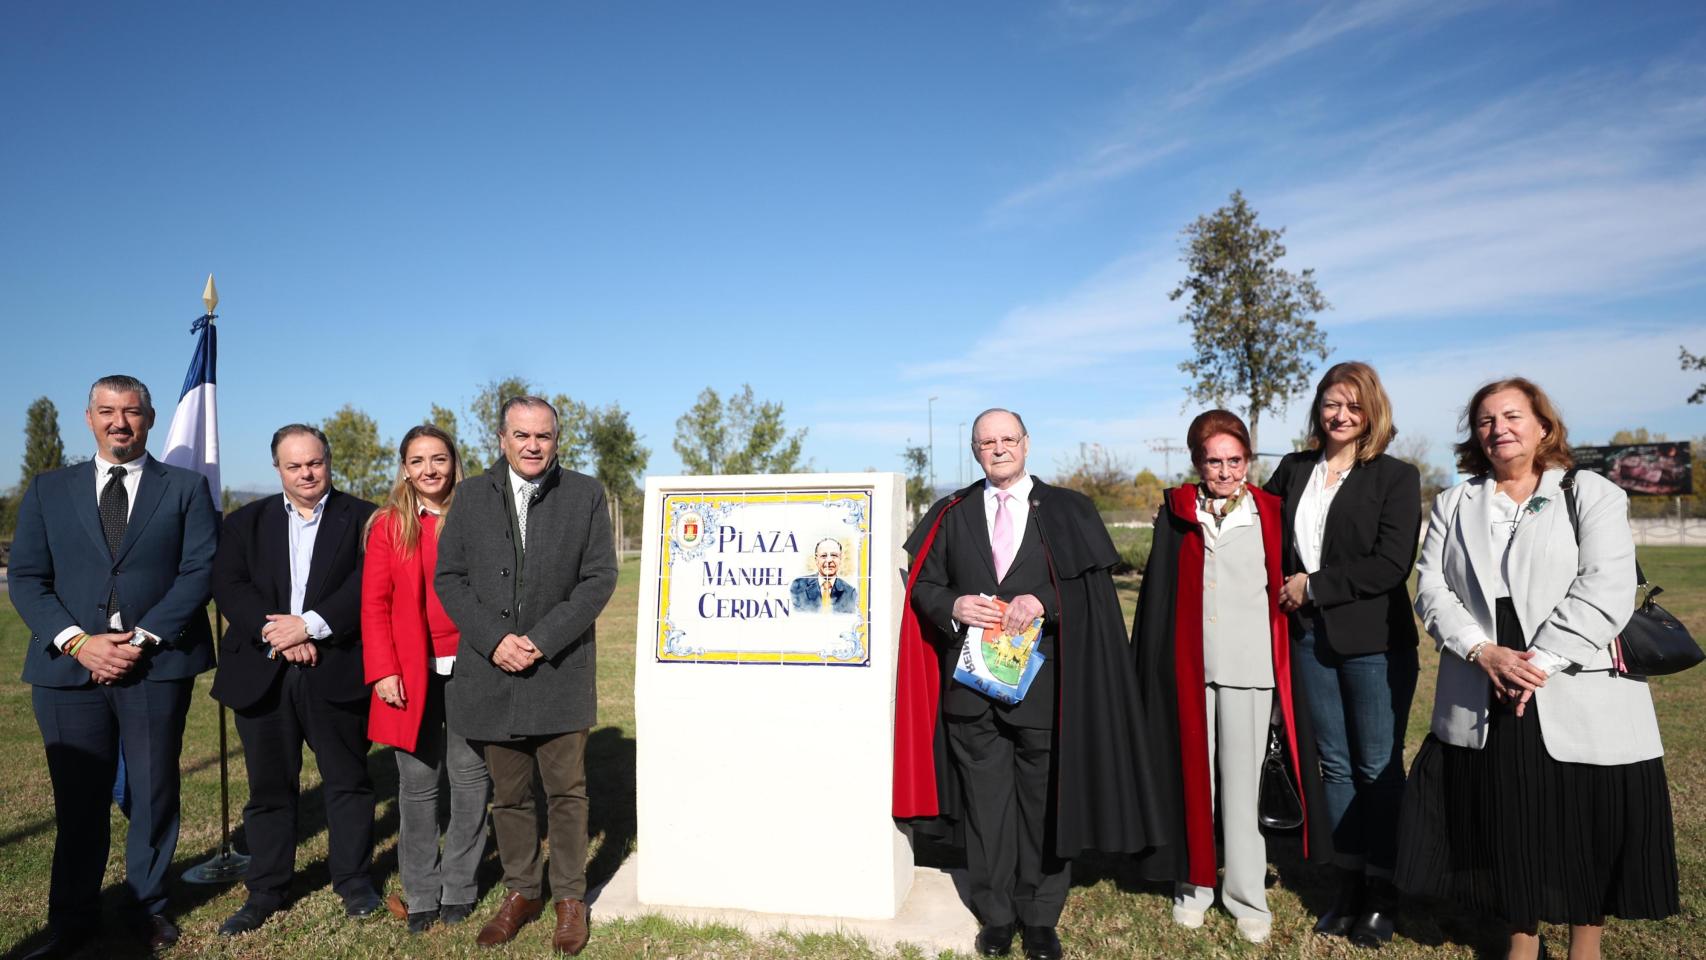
[1035,783]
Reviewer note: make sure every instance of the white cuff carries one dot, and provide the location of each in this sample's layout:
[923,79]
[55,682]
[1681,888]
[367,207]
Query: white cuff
[1548,661]
[66,636]
[144,638]
[317,627]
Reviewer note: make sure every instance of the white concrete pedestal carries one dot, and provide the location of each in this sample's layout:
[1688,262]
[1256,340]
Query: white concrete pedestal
[764,713]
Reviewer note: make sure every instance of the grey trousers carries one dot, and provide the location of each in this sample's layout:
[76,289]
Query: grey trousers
[432,878]
[1237,740]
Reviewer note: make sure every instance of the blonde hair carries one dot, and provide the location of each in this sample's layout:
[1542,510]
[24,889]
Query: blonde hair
[1377,430]
[403,505]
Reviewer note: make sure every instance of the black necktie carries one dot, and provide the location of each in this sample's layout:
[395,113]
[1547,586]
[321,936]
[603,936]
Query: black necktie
[115,513]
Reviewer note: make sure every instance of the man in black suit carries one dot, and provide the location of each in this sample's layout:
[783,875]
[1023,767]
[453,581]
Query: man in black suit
[109,569]
[288,578]
[1036,782]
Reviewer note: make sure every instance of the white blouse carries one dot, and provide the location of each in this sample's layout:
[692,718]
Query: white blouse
[1310,525]
[1506,516]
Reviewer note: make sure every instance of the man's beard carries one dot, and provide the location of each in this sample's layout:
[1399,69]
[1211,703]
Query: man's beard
[124,451]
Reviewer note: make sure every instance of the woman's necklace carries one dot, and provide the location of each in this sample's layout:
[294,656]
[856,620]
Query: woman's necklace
[1531,503]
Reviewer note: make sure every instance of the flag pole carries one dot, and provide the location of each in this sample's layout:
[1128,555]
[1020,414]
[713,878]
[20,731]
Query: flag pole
[227,865]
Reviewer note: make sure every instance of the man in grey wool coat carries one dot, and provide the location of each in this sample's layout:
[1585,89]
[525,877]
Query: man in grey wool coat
[525,565]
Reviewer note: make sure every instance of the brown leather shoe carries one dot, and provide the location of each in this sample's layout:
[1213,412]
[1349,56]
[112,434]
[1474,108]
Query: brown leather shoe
[514,913]
[571,934]
[397,907]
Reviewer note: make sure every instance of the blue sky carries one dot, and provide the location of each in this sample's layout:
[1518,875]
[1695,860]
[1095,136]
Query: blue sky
[853,207]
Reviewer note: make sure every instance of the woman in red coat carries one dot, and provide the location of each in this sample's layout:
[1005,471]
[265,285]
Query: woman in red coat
[409,646]
[1214,668]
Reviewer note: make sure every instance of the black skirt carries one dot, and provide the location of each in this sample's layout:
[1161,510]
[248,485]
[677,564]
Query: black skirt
[1510,831]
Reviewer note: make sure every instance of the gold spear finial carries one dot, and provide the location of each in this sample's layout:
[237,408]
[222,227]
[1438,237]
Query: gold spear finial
[210,295]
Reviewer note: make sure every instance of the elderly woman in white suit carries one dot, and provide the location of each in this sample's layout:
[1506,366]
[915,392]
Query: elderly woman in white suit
[1540,794]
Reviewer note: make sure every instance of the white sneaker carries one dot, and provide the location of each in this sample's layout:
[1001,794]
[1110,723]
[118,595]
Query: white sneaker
[1254,929]
[1186,917]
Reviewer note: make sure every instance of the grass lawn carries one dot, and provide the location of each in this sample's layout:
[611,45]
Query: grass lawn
[1109,914]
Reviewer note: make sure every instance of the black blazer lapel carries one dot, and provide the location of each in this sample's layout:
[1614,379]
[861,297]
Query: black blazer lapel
[272,550]
[976,530]
[334,526]
[149,493]
[1030,549]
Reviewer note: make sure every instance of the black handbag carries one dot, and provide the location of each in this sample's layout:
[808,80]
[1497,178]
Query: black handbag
[1278,807]
[1654,642]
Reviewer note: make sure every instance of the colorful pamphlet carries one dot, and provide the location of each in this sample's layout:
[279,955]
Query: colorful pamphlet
[998,664]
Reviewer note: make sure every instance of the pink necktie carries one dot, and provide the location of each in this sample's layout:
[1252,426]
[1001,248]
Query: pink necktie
[1002,538]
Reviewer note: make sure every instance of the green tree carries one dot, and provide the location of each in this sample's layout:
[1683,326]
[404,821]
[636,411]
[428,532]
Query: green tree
[1637,435]
[573,418]
[1252,332]
[919,496]
[362,465]
[1692,362]
[1099,475]
[746,435]
[445,419]
[43,451]
[486,414]
[619,460]
[1414,450]
[1149,489]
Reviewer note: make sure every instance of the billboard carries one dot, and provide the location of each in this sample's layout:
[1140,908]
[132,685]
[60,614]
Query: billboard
[1654,469]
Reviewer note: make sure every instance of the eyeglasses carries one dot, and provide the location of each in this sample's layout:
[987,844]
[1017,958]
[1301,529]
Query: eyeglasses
[990,442]
[1231,465]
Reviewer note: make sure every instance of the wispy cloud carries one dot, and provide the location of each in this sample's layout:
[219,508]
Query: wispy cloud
[1121,310]
[1092,19]
[1586,188]
[1157,128]
[1325,26]
[1111,161]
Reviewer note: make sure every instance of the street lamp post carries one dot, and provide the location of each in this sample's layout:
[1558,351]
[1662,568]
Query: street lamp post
[959,458]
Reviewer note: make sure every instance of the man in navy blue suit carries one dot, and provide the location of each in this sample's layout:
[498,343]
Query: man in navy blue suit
[110,570]
[826,592]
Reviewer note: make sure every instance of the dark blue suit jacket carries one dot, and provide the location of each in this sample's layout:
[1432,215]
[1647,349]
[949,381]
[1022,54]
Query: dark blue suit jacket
[62,572]
[808,596]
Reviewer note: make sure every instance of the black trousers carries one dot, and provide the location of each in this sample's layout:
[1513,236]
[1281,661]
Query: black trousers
[81,728]
[273,732]
[1010,857]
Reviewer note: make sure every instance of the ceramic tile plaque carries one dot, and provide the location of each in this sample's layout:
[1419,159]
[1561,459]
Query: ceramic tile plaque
[765,577]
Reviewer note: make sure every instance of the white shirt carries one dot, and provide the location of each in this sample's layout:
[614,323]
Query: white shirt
[1018,508]
[1310,525]
[132,482]
[303,532]
[1506,515]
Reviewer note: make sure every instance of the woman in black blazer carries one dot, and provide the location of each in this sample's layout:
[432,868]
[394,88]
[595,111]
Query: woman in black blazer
[1351,522]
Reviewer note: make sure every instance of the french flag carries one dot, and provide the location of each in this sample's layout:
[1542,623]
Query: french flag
[193,440]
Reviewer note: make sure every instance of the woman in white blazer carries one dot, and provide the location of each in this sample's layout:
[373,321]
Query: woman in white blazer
[1540,794]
